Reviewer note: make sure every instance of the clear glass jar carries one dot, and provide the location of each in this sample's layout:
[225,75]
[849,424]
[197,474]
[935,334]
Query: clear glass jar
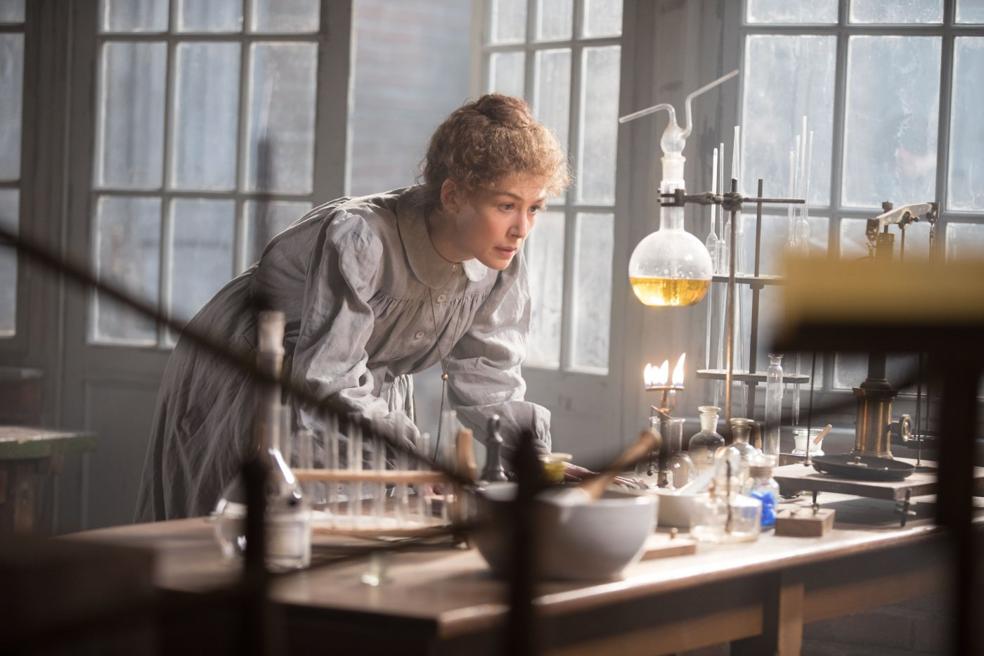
[741,432]
[763,487]
[722,517]
[773,406]
[705,443]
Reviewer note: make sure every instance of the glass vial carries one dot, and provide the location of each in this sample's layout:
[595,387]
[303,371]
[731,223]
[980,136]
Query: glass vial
[763,487]
[703,444]
[773,407]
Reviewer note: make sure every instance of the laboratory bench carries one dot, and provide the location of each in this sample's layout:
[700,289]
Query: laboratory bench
[440,599]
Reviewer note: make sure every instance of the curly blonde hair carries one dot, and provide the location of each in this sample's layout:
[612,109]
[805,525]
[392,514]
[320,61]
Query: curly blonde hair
[485,140]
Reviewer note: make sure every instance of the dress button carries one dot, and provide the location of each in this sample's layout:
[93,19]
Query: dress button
[454,267]
[419,334]
[442,297]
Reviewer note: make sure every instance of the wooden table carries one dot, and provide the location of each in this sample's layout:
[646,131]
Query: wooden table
[757,596]
[31,460]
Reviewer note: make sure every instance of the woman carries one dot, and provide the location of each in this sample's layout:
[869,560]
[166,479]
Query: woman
[374,289]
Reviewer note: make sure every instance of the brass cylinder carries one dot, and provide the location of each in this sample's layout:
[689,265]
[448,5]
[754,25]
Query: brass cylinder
[872,435]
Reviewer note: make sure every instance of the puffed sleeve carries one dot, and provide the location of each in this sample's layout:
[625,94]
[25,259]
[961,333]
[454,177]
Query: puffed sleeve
[484,375]
[330,357]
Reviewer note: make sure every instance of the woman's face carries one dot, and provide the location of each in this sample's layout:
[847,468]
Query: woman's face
[491,223]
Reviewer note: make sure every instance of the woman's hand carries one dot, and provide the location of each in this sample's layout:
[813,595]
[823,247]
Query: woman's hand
[575,474]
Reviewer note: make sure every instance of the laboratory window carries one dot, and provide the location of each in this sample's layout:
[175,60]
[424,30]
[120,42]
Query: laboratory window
[563,57]
[205,140]
[889,94]
[11,132]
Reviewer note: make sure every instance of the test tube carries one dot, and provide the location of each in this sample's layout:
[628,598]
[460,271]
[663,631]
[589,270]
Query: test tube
[422,506]
[354,464]
[379,488]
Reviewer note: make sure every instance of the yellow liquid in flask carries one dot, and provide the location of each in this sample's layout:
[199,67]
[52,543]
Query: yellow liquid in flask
[669,291]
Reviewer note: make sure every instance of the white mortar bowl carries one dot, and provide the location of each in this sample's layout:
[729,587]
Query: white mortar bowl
[584,541]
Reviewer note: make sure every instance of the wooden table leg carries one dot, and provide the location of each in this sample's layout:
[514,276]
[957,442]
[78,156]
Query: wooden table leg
[25,498]
[782,621]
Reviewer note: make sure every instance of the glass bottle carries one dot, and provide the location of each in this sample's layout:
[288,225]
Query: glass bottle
[288,519]
[763,487]
[703,444]
[679,467]
[741,431]
[723,514]
[773,406]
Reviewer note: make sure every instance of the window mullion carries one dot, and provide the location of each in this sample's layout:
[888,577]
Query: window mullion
[943,127]
[241,229]
[166,227]
[570,215]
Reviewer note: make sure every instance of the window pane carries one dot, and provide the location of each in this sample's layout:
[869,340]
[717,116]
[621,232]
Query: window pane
[897,11]
[134,15]
[593,290]
[964,241]
[803,67]
[506,73]
[602,18]
[853,243]
[425,74]
[11,96]
[280,121]
[775,240]
[127,248]
[508,21]
[201,258]
[545,257]
[555,19]
[792,11]
[206,108]
[282,16]
[11,11]
[599,125]
[891,125]
[552,92]
[264,220]
[970,11]
[850,370]
[209,15]
[130,121]
[9,219]
[966,172]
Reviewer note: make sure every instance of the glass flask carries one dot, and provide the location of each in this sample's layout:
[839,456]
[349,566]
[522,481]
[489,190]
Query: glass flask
[773,406]
[741,431]
[763,487]
[703,444]
[723,514]
[288,520]
[679,467]
[671,266]
[669,466]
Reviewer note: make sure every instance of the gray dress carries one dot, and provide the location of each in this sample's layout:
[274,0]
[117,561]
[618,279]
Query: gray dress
[368,301]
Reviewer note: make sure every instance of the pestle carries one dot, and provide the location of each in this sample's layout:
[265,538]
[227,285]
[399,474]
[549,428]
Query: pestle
[594,487]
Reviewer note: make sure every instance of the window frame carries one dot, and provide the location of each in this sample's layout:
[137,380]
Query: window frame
[328,159]
[18,341]
[948,30]
[570,207]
